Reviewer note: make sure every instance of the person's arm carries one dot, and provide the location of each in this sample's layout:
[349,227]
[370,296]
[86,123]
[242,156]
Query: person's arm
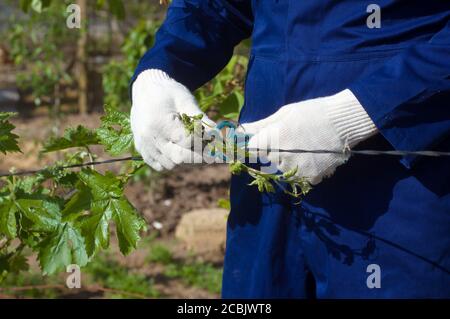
[408,98]
[197,39]
[193,44]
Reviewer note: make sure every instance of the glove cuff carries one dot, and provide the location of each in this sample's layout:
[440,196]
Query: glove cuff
[349,118]
[155,76]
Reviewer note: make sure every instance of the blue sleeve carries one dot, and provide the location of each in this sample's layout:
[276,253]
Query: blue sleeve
[408,98]
[197,39]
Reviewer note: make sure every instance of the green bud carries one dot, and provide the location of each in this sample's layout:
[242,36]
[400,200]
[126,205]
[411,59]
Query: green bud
[290,173]
[236,168]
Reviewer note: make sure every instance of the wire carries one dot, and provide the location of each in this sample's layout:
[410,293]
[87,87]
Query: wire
[92,163]
[345,151]
[359,152]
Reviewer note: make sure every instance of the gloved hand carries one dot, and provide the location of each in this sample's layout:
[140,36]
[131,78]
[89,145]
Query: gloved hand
[328,123]
[159,135]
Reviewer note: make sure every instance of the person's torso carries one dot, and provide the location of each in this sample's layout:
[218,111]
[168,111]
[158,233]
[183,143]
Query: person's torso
[303,49]
[316,28]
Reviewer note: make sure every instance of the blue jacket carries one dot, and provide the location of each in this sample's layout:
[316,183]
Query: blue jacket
[390,211]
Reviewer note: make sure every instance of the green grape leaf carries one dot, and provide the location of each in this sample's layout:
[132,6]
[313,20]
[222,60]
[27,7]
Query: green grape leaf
[78,203]
[95,227]
[8,225]
[128,224]
[237,167]
[44,211]
[17,263]
[62,247]
[102,186]
[13,262]
[8,140]
[109,204]
[6,115]
[263,184]
[291,173]
[232,105]
[115,132]
[73,137]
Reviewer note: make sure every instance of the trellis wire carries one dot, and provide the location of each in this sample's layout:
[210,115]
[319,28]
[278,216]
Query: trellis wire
[346,151]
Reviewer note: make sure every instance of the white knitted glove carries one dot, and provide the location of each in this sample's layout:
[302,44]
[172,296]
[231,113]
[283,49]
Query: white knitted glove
[328,123]
[159,135]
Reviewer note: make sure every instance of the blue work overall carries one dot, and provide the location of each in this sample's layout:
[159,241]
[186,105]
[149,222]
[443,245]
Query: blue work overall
[380,226]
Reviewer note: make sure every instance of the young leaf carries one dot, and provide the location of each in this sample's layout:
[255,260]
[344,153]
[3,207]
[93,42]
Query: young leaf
[8,225]
[231,106]
[95,227]
[44,211]
[62,247]
[12,262]
[8,140]
[237,167]
[128,224]
[73,137]
[109,203]
[115,132]
[6,115]
[78,203]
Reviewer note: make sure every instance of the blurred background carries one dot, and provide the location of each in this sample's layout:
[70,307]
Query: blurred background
[55,77]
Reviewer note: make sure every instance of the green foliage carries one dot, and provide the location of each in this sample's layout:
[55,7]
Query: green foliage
[224,95]
[29,279]
[36,5]
[107,203]
[192,124]
[62,247]
[36,43]
[265,182]
[8,140]
[117,73]
[44,48]
[12,263]
[192,273]
[116,7]
[115,132]
[160,254]
[110,274]
[224,203]
[66,216]
[73,137]
[198,274]
[71,229]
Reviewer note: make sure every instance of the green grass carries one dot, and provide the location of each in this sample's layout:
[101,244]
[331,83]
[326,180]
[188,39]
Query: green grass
[160,254]
[118,280]
[192,273]
[109,274]
[27,278]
